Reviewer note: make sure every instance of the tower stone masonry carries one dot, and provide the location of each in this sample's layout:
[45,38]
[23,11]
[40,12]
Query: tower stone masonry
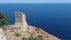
[20,20]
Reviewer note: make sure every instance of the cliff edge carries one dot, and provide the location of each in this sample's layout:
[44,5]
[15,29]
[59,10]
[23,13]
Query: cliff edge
[21,29]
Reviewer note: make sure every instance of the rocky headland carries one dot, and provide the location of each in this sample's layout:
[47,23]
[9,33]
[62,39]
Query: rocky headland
[21,30]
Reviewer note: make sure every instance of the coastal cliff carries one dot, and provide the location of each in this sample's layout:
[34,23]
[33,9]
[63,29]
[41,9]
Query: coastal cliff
[24,30]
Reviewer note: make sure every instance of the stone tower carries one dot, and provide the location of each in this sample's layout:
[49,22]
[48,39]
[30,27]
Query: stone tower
[20,20]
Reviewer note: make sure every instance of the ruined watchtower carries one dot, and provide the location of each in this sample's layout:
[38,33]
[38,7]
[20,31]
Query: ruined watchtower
[20,20]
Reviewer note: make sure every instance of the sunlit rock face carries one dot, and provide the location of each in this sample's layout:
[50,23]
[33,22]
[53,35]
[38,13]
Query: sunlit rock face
[2,35]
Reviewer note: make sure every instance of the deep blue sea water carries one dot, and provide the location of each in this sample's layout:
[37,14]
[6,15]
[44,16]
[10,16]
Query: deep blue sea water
[53,18]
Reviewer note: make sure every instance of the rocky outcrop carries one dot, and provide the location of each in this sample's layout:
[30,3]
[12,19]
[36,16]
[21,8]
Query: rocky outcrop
[2,35]
[38,31]
[24,29]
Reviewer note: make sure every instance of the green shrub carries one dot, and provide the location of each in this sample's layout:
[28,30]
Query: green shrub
[17,34]
[39,37]
[3,19]
[24,38]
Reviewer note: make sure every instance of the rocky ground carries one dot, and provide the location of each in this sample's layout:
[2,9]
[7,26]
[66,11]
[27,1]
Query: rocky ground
[11,31]
[22,31]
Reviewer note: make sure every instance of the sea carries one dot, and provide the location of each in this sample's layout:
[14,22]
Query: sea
[54,18]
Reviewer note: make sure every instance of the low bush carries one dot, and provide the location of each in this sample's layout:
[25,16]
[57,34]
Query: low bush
[17,34]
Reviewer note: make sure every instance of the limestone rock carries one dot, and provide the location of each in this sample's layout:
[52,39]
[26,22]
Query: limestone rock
[22,27]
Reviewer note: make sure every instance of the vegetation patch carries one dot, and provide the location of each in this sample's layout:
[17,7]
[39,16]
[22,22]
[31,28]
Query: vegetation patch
[17,34]
[39,37]
[3,19]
